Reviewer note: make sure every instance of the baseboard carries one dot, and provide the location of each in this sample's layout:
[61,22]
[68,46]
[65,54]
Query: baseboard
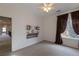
[48,41]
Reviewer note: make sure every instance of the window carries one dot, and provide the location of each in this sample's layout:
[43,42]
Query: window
[4,29]
[69,32]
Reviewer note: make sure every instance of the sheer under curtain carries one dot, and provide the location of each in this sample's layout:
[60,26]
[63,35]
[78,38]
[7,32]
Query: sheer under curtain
[69,31]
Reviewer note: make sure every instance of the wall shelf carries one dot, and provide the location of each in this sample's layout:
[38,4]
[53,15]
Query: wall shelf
[32,35]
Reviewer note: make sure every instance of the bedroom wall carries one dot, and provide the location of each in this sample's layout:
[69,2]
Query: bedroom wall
[21,17]
[50,28]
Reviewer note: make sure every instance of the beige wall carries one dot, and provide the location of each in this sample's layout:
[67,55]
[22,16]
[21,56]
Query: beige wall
[21,17]
[50,28]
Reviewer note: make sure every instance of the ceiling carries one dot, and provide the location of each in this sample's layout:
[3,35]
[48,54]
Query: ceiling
[34,7]
[61,7]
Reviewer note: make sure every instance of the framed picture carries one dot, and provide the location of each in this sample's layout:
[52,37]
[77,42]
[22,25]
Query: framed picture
[32,31]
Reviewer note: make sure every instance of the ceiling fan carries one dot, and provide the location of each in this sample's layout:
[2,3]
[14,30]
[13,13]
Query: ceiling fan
[47,6]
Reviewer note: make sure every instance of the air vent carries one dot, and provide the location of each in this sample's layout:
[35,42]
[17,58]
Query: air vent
[58,11]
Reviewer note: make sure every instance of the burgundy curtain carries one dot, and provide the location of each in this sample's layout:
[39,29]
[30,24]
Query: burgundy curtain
[75,21]
[61,26]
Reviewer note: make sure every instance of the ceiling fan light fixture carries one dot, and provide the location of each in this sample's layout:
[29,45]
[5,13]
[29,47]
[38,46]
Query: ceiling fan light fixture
[46,7]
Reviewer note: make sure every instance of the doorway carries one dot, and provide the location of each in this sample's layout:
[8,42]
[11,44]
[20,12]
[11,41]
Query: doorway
[5,35]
